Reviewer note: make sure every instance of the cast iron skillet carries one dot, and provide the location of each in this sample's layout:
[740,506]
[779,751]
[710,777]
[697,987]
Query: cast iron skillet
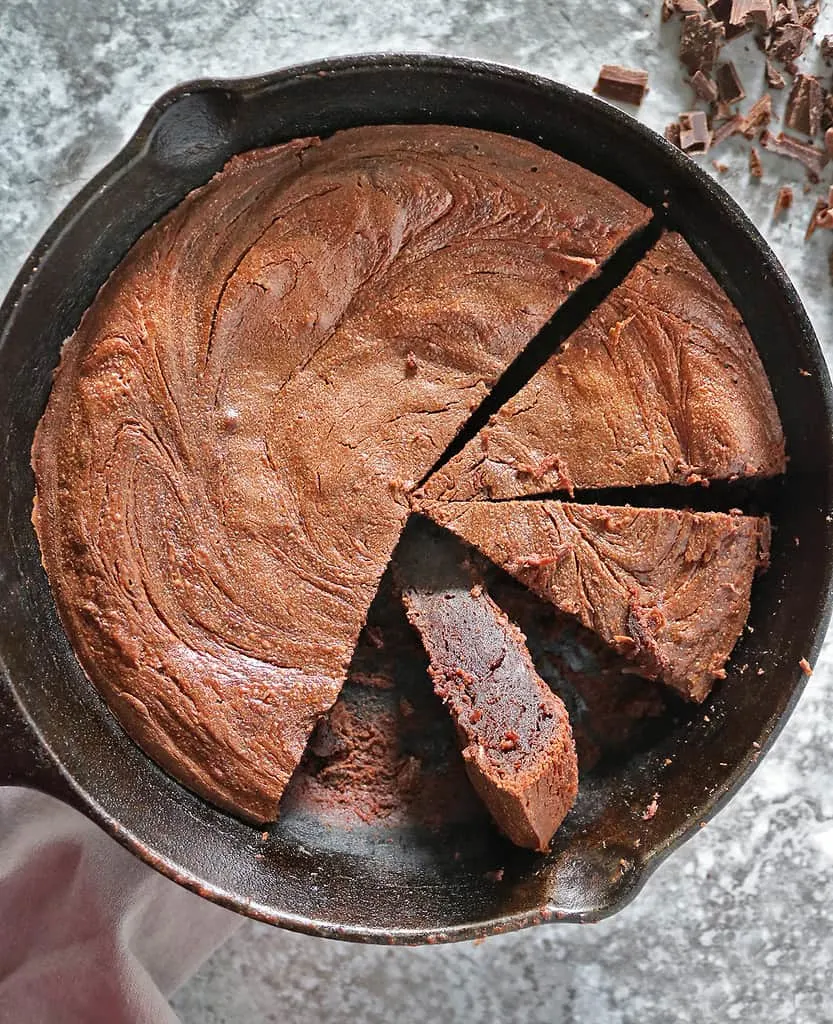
[400,884]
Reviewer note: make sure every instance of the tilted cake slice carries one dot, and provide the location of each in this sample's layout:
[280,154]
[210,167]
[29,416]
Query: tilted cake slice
[669,589]
[513,730]
[661,384]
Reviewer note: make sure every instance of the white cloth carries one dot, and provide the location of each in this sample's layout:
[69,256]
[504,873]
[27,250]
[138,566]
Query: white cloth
[88,933]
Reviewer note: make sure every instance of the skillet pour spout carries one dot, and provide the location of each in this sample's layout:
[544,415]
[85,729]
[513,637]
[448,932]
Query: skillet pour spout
[397,881]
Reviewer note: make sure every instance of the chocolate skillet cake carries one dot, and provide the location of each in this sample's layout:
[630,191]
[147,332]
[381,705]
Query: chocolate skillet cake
[223,463]
[661,384]
[668,589]
[514,732]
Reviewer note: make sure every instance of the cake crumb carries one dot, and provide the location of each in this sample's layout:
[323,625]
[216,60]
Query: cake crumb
[651,809]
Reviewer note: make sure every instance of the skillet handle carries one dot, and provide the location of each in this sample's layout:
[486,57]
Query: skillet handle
[23,759]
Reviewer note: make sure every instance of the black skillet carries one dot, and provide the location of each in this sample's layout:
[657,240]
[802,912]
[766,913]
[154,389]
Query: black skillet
[400,883]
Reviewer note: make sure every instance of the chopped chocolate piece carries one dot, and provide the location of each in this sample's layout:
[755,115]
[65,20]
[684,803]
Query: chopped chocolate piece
[731,127]
[729,86]
[826,47]
[721,10]
[514,732]
[704,87]
[751,12]
[672,133]
[695,134]
[789,42]
[805,105]
[783,201]
[684,7]
[721,168]
[808,14]
[660,384]
[784,145]
[628,85]
[755,168]
[827,112]
[822,216]
[774,78]
[758,116]
[828,141]
[700,44]
[666,588]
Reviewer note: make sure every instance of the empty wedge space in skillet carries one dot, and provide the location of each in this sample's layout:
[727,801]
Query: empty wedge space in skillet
[514,733]
[661,384]
[668,589]
[222,465]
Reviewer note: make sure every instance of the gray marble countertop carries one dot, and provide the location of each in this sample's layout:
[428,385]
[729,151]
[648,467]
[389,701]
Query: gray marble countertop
[736,926]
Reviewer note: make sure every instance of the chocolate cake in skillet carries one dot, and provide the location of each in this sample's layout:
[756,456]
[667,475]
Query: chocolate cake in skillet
[660,384]
[223,464]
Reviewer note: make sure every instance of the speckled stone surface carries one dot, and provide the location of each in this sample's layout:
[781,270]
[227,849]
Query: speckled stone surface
[736,926]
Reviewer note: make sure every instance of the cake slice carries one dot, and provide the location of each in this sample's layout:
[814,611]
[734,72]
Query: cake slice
[661,384]
[514,732]
[668,589]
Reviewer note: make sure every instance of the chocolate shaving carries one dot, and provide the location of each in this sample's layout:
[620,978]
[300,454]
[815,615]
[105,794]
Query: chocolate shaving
[700,44]
[755,168]
[783,201]
[695,135]
[731,127]
[774,78]
[784,145]
[729,86]
[704,87]
[628,85]
[751,12]
[758,116]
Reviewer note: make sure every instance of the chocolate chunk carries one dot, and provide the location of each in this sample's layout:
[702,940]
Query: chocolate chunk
[789,42]
[672,133]
[828,141]
[700,44]
[808,14]
[826,47]
[751,12]
[774,78]
[670,7]
[695,134]
[783,201]
[822,215]
[755,168]
[628,85]
[784,145]
[729,86]
[704,87]
[758,116]
[827,112]
[805,105]
[721,10]
[731,127]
